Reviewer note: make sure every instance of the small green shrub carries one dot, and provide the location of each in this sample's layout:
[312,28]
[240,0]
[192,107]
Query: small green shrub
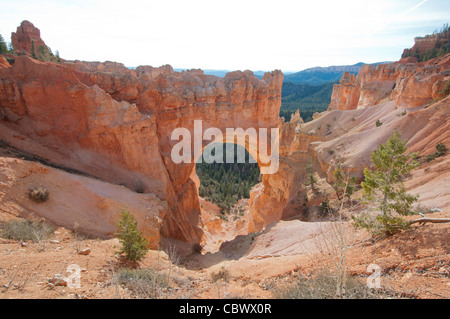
[378,123]
[441,150]
[402,114]
[38,194]
[26,230]
[446,90]
[134,245]
[330,151]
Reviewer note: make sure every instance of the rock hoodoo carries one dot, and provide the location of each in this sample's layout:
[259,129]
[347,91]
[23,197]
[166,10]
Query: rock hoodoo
[25,34]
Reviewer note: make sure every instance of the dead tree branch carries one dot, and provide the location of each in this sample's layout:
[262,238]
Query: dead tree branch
[425,219]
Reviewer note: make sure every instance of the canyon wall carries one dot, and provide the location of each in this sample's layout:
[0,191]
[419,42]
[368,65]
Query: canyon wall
[405,96]
[408,84]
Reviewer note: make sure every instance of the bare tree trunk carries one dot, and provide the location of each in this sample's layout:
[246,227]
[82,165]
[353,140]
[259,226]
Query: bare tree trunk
[425,219]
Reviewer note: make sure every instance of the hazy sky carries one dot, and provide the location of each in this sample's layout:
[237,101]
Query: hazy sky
[232,34]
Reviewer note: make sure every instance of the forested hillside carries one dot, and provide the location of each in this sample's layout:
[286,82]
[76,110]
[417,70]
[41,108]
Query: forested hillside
[307,98]
[225,183]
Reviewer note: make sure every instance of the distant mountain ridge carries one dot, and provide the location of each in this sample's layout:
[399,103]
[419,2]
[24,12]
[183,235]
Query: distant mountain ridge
[312,76]
[322,75]
[221,73]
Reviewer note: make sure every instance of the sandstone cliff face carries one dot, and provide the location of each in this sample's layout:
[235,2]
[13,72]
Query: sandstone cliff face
[22,38]
[115,124]
[429,42]
[408,84]
[48,103]
[346,94]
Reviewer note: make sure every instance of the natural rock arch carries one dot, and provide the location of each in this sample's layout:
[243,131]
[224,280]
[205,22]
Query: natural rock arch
[114,123]
[187,191]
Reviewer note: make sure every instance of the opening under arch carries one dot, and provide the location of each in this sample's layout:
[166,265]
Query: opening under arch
[224,184]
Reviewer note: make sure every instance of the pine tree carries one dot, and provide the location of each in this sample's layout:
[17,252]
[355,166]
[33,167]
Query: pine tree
[11,49]
[134,245]
[3,46]
[340,183]
[43,53]
[384,187]
[33,50]
[310,174]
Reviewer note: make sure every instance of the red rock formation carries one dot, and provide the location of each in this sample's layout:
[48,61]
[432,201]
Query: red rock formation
[408,84]
[347,134]
[346,94]
[22,38]
[115,123]
[429,42]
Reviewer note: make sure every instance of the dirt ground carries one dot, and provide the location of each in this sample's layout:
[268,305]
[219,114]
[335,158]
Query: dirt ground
[413,264]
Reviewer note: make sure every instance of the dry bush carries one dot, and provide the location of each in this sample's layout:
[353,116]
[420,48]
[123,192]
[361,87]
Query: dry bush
[221,275]
[336,237]
[26,230]
[323,286]
[38,194]
[173,254]
[78,238]
[143,283]
[197,248]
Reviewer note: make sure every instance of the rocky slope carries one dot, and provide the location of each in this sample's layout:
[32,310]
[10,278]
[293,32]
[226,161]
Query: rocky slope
[88,205]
